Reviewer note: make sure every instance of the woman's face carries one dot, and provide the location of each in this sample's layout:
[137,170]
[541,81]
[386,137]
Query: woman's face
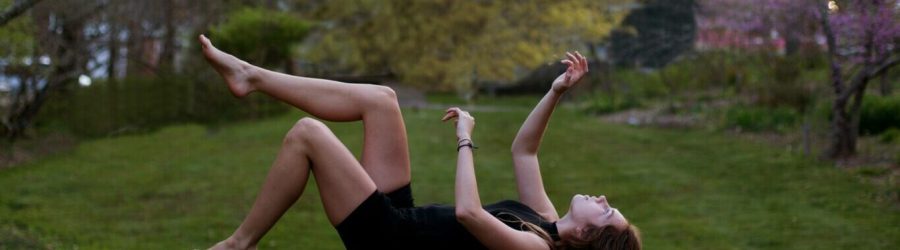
[593,210]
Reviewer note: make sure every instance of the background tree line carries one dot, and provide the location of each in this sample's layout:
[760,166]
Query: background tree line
[119,45]
[105,67]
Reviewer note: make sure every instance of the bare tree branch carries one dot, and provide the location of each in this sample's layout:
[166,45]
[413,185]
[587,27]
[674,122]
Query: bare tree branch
[15,10]
[881,69]
[867,73]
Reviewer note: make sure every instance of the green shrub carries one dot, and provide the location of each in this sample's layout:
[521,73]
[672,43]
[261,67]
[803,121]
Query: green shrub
[897,159]
[757,119]
[606,104]
[872,171]
[783,86]
[140,104]
[889,136]
[260,36]
[638,84]
[879,114]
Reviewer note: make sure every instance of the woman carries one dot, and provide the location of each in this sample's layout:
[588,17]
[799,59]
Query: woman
[370,202]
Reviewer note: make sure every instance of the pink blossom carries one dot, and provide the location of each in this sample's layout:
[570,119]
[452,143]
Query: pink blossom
[736,23]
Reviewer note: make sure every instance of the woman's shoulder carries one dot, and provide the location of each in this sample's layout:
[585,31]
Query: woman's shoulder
[513,207]
[509,204]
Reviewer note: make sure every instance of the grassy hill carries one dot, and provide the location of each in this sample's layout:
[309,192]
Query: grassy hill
[186,187]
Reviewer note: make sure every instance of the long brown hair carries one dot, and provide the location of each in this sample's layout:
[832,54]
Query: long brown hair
[607,237]
[530,227]
[594,238]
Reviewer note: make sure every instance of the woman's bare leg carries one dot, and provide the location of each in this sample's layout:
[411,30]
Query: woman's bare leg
[385,150]
[308,146]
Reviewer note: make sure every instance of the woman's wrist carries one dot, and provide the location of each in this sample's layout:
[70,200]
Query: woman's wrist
[558,92]
[465,142]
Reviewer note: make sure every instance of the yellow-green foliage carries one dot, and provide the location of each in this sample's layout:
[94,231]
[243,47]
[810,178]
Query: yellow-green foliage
[260,36]
[16,38]
[445,44]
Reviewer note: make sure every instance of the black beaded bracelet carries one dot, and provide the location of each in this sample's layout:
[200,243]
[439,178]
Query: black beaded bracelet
[468,144]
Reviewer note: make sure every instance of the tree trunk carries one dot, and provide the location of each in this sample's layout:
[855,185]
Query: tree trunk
[791,43]
[112,84]
[113,52]
[135,54]
[807,139]
[843,143]
[68,57]
[167,59]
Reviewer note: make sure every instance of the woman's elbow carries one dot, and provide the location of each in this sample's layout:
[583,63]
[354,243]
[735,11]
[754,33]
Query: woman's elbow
[464,215]
[518,149]
[515,148]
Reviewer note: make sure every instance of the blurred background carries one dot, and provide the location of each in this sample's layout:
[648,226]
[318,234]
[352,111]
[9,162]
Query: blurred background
[104,86]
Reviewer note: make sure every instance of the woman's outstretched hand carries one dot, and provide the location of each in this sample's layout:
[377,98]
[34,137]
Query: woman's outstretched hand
[464,122]
[577,67]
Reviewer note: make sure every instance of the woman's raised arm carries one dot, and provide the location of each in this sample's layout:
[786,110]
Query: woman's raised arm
[528,140]
[486,228]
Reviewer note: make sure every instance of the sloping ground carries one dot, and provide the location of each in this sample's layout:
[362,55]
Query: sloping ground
[184,187]
[27,149]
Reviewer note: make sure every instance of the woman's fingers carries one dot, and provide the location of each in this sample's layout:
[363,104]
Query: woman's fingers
[583,61]
[448,116]
[451,112]
[455,112]
[572,58]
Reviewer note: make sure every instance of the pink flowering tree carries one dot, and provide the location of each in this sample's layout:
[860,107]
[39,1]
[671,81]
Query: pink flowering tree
[863,35]
[860,38]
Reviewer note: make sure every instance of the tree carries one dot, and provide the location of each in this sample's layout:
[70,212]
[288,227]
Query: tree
[99,39]
[452,44]
[65,44]
[247,28]
[16,9]
[654,34]
[860,42]
[870,30]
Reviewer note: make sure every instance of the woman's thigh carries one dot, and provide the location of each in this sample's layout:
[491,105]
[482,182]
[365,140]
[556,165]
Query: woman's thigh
[385,150]
[342,181]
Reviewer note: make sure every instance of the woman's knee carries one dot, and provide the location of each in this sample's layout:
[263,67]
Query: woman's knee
[382,97]
[305,129]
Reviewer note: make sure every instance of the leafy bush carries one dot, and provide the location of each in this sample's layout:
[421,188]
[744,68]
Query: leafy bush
[260,36]
[776,81]
[606,104]
[889,136]
[879,114]
[636,83]
[760,118]
[897,159]
[139,104]
[785,88]
[872,171]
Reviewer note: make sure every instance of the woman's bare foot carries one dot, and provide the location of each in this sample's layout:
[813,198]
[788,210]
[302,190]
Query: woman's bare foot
[238,74]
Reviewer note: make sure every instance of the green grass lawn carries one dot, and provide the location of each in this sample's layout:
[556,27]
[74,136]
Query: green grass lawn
[184,187]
